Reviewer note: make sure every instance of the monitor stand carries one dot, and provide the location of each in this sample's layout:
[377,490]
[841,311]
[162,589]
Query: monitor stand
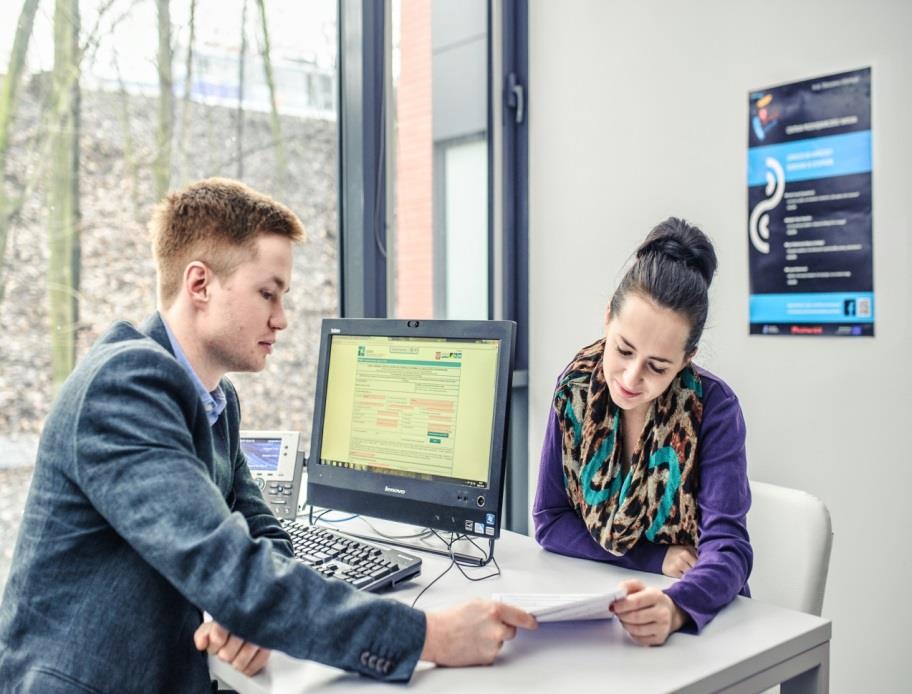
[398,542]
[459,556]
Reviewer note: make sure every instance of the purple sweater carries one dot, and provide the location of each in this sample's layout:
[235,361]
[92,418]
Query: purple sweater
[724,557]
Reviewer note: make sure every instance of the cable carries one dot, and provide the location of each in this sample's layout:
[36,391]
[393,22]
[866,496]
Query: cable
[469,539]
[313,520]
[381,163]
[489,558]
[442,574]
[336,520]
[454,538]
[457,563]
[493,574]
[426,532]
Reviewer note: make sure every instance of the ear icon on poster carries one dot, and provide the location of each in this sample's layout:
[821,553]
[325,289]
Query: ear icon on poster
[758,225]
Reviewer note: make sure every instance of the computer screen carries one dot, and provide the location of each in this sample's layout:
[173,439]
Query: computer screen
[262,453]
[410,421]
[271,454]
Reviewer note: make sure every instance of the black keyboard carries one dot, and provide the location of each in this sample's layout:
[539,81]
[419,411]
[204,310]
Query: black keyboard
[364,565]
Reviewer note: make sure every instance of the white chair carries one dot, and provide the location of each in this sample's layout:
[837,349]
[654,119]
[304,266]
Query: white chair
[791,535]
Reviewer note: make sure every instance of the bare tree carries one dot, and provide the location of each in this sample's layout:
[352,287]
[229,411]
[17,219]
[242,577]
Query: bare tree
[10,205]
[8,92]
[63,198]
[266,52]
[242,59]
[131,160]
[162,167]
[185,97]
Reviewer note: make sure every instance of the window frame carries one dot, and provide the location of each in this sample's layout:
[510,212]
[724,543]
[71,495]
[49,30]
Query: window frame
[361,174]
[364,32]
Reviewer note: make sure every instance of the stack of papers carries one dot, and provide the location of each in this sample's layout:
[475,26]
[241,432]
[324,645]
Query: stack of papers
[563,607]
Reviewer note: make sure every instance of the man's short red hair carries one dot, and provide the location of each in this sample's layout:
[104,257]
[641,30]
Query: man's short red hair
[215,221]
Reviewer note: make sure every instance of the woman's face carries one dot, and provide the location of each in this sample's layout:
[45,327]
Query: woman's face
[644,351]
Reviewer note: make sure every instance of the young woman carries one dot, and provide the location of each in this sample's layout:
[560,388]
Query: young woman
[643,464]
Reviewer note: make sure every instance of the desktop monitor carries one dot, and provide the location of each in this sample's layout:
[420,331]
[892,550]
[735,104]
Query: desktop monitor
[410,421]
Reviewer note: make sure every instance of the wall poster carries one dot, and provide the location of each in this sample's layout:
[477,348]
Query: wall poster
[809,207]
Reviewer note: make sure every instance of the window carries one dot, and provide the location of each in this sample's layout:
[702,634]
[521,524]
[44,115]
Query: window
[438,187]
[220,124]
[237,88]
[433,182]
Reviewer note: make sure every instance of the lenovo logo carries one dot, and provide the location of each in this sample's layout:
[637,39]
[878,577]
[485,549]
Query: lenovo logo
[393,490]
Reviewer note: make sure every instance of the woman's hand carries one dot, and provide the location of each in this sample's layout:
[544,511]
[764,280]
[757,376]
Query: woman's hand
[679,559]
[648,614]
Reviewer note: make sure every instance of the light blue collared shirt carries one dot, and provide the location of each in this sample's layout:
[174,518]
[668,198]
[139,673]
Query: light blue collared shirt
[213,401]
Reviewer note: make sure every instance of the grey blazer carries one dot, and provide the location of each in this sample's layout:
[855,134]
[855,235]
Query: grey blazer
[140,516]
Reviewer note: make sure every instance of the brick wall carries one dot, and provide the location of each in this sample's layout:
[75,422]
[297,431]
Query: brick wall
[413,256]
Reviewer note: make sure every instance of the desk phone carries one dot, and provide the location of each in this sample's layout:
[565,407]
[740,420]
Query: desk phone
[276,467]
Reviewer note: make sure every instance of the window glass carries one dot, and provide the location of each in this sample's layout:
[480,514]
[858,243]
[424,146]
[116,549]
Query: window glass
[465,213]
[438,171]
[222,125]
[86,155]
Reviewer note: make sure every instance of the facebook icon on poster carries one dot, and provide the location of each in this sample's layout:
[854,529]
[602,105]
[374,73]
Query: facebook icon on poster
[848,307]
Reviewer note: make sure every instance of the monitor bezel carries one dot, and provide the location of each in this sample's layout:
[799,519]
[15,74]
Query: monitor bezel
[431,504]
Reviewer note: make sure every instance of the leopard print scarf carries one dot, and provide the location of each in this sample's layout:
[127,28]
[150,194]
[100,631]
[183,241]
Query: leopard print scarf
[657,497]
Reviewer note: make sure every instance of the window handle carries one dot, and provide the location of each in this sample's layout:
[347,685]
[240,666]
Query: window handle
[515,97]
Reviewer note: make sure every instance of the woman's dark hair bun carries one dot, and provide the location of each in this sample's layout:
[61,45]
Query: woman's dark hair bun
[684,243]
[674,267]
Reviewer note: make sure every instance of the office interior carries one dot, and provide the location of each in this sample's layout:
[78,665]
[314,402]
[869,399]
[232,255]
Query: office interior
[565,131]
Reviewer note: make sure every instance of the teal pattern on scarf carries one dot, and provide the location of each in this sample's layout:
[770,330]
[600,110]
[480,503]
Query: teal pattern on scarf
[593,496]
[656,497]
[666,455]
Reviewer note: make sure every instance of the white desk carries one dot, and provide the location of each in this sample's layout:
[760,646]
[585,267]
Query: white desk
[748,647]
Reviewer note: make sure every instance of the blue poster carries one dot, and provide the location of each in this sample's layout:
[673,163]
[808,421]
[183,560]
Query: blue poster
[809,207]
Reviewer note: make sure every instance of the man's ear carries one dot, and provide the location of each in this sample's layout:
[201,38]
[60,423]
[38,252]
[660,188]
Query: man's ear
[197,282]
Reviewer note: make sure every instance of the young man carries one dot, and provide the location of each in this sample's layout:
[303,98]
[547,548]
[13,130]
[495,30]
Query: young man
[142,512]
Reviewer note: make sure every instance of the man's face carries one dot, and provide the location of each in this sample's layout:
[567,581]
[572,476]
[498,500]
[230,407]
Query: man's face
[245,312]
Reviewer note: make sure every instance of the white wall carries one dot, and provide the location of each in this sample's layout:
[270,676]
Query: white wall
[639,111]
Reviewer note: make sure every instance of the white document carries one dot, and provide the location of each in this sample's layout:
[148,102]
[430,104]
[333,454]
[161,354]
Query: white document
[563,607]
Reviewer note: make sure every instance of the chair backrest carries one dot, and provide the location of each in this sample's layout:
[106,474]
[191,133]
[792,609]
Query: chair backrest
[791,536]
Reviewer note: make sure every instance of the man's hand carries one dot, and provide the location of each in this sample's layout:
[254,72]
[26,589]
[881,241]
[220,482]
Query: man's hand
[648,614]
[679,559]
[243,656]
[472,633]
